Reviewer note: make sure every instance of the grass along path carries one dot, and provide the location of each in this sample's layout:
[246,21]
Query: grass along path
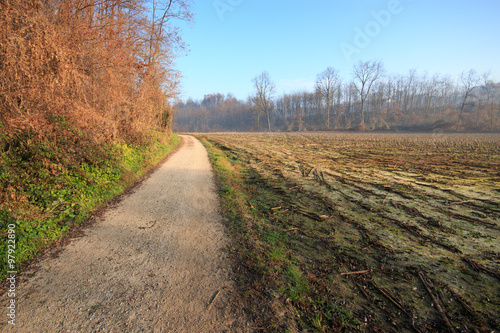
[153,262]
[50,190]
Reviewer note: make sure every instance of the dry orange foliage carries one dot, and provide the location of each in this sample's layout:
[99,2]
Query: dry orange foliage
[105,66]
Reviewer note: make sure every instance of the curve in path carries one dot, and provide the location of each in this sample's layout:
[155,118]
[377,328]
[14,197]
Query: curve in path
[153,263]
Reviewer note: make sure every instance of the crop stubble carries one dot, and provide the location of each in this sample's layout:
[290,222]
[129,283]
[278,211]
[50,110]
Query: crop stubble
[419,212]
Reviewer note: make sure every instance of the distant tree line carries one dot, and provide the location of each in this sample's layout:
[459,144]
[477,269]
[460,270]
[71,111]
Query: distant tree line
[371,100]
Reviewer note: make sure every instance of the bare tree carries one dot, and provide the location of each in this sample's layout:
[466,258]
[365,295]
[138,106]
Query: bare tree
[161,33]
[327,83]
[411,101]
[262,101]
[365,74]
[469,81]
[488,90]
[409,91]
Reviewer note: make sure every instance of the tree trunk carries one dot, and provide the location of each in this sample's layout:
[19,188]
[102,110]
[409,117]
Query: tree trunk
[268,121]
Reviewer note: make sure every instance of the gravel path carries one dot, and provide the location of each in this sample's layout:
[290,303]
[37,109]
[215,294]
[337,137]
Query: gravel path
[152,263]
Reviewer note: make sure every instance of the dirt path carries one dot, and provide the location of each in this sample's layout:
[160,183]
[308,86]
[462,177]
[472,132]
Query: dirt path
[153,263]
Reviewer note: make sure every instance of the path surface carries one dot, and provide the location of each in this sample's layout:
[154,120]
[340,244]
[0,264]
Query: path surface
[153,263]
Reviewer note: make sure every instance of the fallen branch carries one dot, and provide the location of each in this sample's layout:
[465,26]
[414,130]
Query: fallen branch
[358,272]
[391,298]
[310,214]
[213,300]
[394,300]
[478,267]
[435,300]
[292,229]
[462,202]
[363,291]
[462,301]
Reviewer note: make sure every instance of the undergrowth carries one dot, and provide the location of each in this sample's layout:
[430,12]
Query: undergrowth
[48,185]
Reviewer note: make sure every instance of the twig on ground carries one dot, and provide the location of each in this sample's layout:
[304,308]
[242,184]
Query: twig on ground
[391,298]
[462,202]
[213,300]
[363,291]
[435,300]
[358,272]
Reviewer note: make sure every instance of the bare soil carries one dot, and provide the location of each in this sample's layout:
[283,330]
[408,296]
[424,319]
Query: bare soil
[155,263]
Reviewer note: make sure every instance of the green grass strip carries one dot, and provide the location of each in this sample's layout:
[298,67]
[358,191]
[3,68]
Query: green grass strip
[47,196]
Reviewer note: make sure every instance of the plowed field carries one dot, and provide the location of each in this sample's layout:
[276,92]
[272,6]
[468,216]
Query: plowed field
[390,232]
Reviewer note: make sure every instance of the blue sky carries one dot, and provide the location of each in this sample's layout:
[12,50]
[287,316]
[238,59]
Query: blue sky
[232,41]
